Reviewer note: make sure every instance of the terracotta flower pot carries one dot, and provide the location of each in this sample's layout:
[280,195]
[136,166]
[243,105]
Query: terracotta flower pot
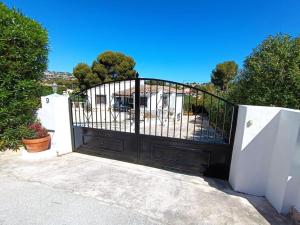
[38,144]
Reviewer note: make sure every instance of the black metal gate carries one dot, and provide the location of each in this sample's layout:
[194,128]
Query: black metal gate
[155,122]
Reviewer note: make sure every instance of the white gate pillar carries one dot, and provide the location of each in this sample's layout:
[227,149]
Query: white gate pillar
[54,115]
[266,155]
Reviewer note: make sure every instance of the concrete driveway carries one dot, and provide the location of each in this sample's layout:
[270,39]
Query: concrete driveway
[81,189]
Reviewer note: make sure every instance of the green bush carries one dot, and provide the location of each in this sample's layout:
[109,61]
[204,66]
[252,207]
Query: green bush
[47,90]
[217,111]
[189,104]
[271,74]
[23,59]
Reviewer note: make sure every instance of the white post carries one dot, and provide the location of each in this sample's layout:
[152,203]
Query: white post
[54,115]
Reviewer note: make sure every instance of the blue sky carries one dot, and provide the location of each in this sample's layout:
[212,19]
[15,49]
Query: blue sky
[174,40]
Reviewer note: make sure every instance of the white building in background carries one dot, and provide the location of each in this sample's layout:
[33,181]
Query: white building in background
[120,96]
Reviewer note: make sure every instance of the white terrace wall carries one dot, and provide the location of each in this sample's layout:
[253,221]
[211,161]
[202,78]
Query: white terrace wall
[266,155]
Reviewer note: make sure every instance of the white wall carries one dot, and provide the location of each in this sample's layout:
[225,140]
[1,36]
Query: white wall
[109,90]
[266,155]
[156,101]
[159,101]
[179,104]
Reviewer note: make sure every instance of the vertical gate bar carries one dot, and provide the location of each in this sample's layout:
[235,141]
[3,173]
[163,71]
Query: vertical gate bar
[79,110]
[202,114]
[70,102]
[85,122]
[216,125]
[144,107]
[162,110]
[92,117]
[188,119]
[73,101]
[86,109]
[132,103]
[233,124]
[137,105]
[74,120]
[150,108]
[83,113]
[169,109]
[105,121]
[156,107]
[124,91]
[232,115]
[81,117]
[175,110]
[196,107]
[114,97]
[96,106]
[182,108]
[82,109]
[100,105]
[73,105]
[120,124]
[109,102]
[224,119]
[209,116]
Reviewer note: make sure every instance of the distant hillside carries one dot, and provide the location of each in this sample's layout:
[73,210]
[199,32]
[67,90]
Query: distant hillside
[50,75]
[56,73]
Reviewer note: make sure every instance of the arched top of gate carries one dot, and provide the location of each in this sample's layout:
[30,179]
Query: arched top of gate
[187,86]
[156,80]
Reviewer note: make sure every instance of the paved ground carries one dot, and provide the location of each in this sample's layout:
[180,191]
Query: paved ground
[34,203]
[80,189]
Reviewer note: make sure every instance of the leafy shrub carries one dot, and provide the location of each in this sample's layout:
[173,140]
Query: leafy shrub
[47,90]
[271,74]
[36,130]
[23,59]
[189,104]
[218,112]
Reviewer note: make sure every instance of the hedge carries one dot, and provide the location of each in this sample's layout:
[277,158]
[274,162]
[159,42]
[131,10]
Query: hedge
[23,59]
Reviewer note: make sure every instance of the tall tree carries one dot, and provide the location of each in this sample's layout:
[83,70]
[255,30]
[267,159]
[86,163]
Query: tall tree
[271,74]
[223,74]
[113,66]
[108,66]
[85,76]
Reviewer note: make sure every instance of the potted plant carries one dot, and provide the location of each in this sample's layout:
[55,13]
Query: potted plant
[37,138]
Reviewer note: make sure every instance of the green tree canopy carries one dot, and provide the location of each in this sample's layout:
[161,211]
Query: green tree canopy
[108,66]
[223,74]
[85,76]
[113,66]
[271,74]
[23,59]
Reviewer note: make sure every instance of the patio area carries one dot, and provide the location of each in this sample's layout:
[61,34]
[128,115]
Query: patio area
[157,196]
